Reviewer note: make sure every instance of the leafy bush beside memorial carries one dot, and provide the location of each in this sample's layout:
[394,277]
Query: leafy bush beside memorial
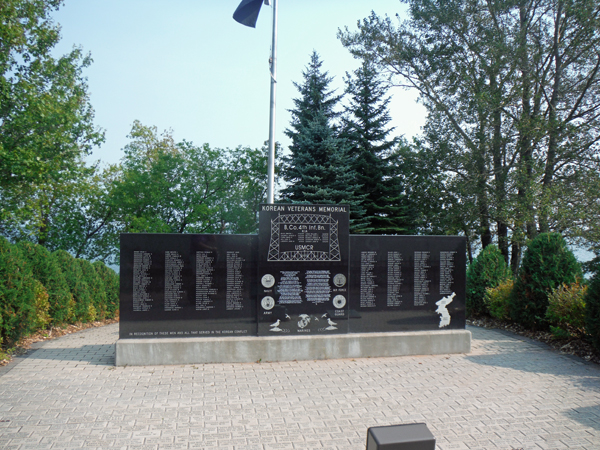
[39,289]
[111,287]
[547,264]
[497,299]
[566,310]
[82,308]
[96,290]
[17,294]
[41,318]
[488,270]
[46,270]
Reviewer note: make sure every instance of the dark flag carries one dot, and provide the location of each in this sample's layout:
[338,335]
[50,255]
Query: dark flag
[247,12]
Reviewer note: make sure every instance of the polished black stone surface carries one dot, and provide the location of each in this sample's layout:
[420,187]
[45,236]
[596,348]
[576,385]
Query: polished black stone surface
[303,274]
[187,285]
[407,283]
[302,278]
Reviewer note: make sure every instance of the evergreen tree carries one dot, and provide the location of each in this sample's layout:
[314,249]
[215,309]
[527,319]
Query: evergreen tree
[320,167]
[366,129]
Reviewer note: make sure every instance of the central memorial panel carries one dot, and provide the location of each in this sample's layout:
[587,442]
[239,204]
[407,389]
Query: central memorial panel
[303,259]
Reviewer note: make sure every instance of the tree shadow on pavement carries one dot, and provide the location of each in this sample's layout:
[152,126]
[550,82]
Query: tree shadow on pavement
[503,349]
[588,416]
[99,354]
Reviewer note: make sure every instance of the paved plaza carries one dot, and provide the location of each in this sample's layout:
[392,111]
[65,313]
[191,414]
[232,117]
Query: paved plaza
[508,393]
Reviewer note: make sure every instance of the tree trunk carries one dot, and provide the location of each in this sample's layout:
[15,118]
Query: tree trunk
[469,246]
[481,193]
[553,125]
[515,257]
[500,172]
[525,144]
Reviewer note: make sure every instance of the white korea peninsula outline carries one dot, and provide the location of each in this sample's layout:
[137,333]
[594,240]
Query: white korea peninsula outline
[443,311]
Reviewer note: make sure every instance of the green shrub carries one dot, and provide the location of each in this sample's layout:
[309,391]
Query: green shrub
[566,310]
[97,290]
[71,310]
[41,306]
[592,311]
[82,297]
[92,314]
[497,299]
[111,287]
[46,269]
[547,264]
[17,294]
[488,270]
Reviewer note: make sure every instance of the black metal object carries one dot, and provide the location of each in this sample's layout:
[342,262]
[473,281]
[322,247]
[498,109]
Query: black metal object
[413,436]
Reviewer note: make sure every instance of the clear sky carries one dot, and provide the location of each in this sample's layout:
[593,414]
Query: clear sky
[186,65]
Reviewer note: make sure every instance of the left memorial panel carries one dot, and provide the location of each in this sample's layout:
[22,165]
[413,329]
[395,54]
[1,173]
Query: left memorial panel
[187,285]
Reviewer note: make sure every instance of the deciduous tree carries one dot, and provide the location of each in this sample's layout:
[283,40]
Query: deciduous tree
[46,120]
[168,187]
[512,90]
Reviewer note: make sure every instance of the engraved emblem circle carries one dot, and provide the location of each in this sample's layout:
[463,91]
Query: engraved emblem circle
[267,280]
[267,303]
[339,280]
[339,301]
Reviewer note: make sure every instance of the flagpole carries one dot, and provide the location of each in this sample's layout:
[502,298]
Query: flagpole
[273,70]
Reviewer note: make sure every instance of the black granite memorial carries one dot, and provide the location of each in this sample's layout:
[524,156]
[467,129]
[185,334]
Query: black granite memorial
[303,269]
[407,283]
[302,275]
[187,285]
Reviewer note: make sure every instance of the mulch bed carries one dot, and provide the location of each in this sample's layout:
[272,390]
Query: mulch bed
[52,333]
[577,346]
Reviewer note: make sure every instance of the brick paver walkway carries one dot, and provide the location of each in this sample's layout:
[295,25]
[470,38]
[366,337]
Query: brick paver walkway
[508,393]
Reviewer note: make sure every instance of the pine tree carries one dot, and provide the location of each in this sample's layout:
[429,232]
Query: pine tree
[320,167]
[366,129]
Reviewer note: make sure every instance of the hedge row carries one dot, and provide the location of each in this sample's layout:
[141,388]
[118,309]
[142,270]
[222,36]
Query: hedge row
[548,292]
[39,288]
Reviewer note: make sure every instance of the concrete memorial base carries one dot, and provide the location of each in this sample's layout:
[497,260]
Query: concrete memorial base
[149,352]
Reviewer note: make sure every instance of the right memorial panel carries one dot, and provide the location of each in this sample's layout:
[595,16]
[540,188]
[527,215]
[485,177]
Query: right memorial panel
[406,283]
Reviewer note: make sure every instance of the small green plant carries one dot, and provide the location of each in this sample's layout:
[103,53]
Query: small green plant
[488,270]
[92,314]
[41,305]
[497,299]
[70,311]
[547,264]
[566,310]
